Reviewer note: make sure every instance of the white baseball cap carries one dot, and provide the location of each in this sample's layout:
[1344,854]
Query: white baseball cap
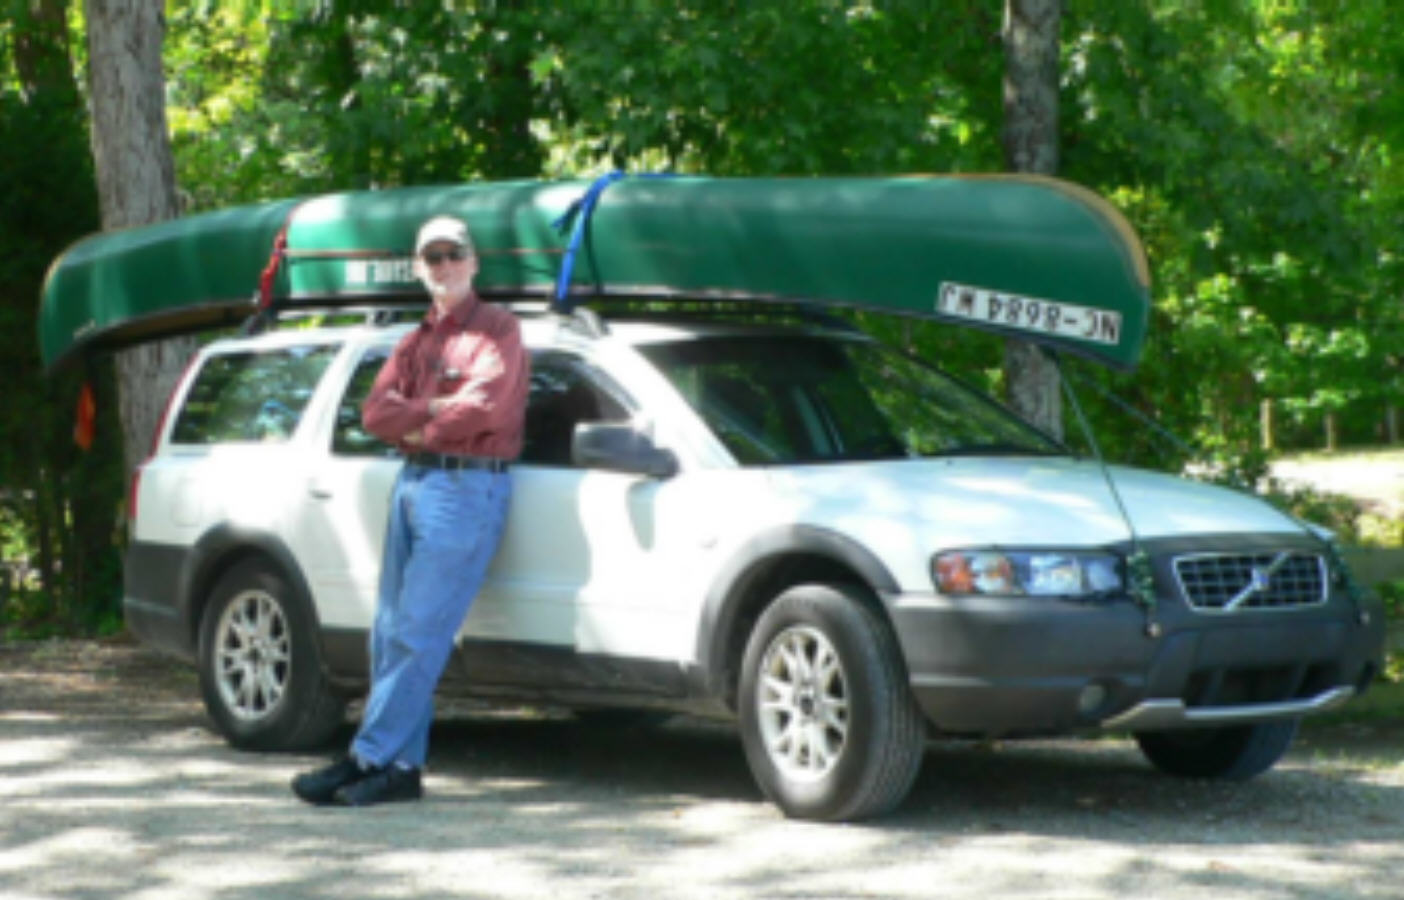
[443,229]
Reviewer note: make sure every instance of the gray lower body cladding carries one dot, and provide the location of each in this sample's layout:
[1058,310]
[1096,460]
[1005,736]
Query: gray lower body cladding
[1024,665]
[152,597]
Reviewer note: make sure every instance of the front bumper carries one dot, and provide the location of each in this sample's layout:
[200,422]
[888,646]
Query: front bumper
[1023,666]
[1156,715]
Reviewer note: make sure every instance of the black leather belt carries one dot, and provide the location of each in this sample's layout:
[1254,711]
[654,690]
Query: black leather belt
[454,462]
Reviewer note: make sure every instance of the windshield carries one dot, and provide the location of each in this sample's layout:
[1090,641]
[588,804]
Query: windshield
[798,399]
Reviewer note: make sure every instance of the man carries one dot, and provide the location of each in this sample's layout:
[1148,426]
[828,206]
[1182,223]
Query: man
[452,398]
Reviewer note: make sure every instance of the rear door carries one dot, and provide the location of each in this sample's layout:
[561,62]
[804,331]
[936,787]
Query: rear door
[340,504]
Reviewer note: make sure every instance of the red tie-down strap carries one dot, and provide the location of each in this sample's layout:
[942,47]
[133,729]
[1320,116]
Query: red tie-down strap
[263,313]
[270,271]
[85,417]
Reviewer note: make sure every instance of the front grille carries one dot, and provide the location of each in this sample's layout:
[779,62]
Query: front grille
[1225,582]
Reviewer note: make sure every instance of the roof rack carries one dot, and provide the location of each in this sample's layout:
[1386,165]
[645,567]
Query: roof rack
[341,313]
[352,315]
[714,310]
[332,314]
[590,316]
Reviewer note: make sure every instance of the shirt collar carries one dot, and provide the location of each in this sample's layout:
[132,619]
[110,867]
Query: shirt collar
[459,315]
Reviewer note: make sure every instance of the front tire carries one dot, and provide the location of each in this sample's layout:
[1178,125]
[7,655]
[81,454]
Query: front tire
[260,665]
[1232,753]
[830,728]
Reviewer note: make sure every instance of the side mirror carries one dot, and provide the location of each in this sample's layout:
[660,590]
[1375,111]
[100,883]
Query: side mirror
[620,447]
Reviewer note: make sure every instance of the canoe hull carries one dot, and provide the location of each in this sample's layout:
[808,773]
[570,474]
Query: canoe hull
[947,247]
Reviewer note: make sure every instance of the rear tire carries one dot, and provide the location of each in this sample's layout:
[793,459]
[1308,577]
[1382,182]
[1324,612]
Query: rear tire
[260,664]
[1232,753]
[829,725]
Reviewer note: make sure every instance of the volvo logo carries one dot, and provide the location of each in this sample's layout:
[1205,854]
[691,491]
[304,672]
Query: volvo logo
[1259,580]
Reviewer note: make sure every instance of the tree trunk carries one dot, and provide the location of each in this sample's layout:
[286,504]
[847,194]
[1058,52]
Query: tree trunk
[136,181]
[1031,145]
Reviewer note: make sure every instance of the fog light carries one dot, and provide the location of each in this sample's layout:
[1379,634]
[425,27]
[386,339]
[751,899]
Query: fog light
[1091,698]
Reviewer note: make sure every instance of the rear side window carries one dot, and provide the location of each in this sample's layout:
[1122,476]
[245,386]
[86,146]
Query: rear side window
[251,396]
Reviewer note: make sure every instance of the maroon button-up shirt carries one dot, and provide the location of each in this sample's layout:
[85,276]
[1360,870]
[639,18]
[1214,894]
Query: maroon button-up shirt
[474,354]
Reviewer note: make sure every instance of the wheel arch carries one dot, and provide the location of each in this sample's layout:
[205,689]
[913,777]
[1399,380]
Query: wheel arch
[221,549]
[760,570]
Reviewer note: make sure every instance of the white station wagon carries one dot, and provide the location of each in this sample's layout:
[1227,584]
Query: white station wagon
[777,521]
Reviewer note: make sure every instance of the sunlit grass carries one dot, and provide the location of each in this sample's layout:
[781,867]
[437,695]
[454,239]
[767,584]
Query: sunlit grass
[1387,454]
[1383,702]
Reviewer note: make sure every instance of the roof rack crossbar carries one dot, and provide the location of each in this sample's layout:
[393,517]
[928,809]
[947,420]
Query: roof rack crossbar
[707,309]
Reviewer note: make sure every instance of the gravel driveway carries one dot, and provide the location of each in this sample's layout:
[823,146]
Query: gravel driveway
[111,785]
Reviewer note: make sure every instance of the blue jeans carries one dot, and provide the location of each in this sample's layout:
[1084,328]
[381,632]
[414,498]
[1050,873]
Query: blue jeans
[443,531]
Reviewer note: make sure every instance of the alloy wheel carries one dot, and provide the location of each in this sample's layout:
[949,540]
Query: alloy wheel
[802,699]
[253,657]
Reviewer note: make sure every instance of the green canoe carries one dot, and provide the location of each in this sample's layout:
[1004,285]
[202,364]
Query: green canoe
[1033,257]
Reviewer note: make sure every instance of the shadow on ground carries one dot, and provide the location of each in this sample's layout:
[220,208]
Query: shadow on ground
[134,798]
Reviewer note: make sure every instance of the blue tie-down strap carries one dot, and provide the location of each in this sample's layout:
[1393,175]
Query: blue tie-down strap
[577,219]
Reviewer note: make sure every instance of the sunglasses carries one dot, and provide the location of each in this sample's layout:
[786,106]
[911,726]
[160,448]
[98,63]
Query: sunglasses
[434,257]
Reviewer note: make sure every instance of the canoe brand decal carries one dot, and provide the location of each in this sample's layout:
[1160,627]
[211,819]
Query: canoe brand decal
[379,271]
[998,309]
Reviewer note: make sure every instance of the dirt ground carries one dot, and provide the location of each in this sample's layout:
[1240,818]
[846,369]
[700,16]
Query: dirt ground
[1375,481]
[113,785]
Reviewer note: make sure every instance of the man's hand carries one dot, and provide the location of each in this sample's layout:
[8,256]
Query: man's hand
[466,396]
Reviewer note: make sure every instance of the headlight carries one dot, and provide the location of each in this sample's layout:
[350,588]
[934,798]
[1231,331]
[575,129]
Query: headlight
[1038,573]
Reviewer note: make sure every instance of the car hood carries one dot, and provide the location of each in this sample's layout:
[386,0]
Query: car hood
[1036,501]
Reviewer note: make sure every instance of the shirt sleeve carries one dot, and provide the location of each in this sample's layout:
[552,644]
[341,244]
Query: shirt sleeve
[490,400]
[387,412]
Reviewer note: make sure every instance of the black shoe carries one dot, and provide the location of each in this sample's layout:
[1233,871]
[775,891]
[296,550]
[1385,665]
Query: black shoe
[320,786]
[386,785]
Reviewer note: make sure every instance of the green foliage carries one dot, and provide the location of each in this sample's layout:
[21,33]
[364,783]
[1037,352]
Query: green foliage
[58,506]
[802,88]
[367,94]
[1242,141]
[1255,146]
[1333,511]
[338,96]
[1378,530]
[1392,594]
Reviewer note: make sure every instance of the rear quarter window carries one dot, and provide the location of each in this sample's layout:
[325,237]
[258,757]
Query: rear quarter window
[256,395]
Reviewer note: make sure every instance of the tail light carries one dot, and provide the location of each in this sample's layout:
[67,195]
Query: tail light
[134,491]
